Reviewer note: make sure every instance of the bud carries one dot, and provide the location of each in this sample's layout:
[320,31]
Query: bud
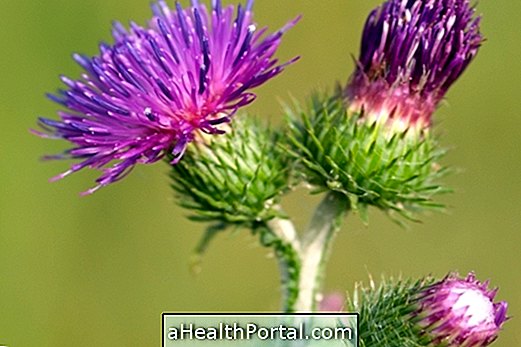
[412,51]
[374,145]
[453,312]
[396,173]
[460,312]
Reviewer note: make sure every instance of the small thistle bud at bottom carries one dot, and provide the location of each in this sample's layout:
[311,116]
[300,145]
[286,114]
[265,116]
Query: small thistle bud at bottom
[460,312]
[453,312]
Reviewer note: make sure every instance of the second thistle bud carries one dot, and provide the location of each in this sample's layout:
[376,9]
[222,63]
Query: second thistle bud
[362,161]
[373,143]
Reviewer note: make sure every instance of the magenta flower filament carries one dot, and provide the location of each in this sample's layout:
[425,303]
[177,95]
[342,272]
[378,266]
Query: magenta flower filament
[156,87]
[412,52]
[461,312]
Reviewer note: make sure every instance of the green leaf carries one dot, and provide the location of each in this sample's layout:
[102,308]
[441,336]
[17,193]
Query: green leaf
[202,246]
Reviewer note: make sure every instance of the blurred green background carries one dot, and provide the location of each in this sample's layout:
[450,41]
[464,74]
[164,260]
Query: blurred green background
[99,270]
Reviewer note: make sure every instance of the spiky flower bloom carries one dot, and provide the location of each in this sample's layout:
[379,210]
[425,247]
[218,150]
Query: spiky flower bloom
[157,86]
[412,52]
[461,312]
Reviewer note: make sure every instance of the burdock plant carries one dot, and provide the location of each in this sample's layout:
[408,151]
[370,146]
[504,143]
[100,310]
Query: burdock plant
[171,89]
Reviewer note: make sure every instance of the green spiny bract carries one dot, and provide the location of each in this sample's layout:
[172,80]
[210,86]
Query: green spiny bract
[452,312]
[370,165]
[233,179]
[386,311]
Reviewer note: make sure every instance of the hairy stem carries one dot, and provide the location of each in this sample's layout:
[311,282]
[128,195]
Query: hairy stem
[287,249]
[316,246]
[302,259]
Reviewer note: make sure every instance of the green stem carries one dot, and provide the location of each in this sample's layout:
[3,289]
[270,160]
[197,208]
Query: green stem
[287,249]
[316,245]
[302,260]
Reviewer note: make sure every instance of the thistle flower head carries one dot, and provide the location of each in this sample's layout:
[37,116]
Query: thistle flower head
[412,52]
[156,87]
[461,312]
[453,312]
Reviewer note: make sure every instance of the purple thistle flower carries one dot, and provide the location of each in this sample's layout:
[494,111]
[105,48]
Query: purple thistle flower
[151,92]
[412,52]
[460,312]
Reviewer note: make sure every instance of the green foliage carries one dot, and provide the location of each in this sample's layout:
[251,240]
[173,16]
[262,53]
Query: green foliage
[396,172]
[385,313]
[233,179]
